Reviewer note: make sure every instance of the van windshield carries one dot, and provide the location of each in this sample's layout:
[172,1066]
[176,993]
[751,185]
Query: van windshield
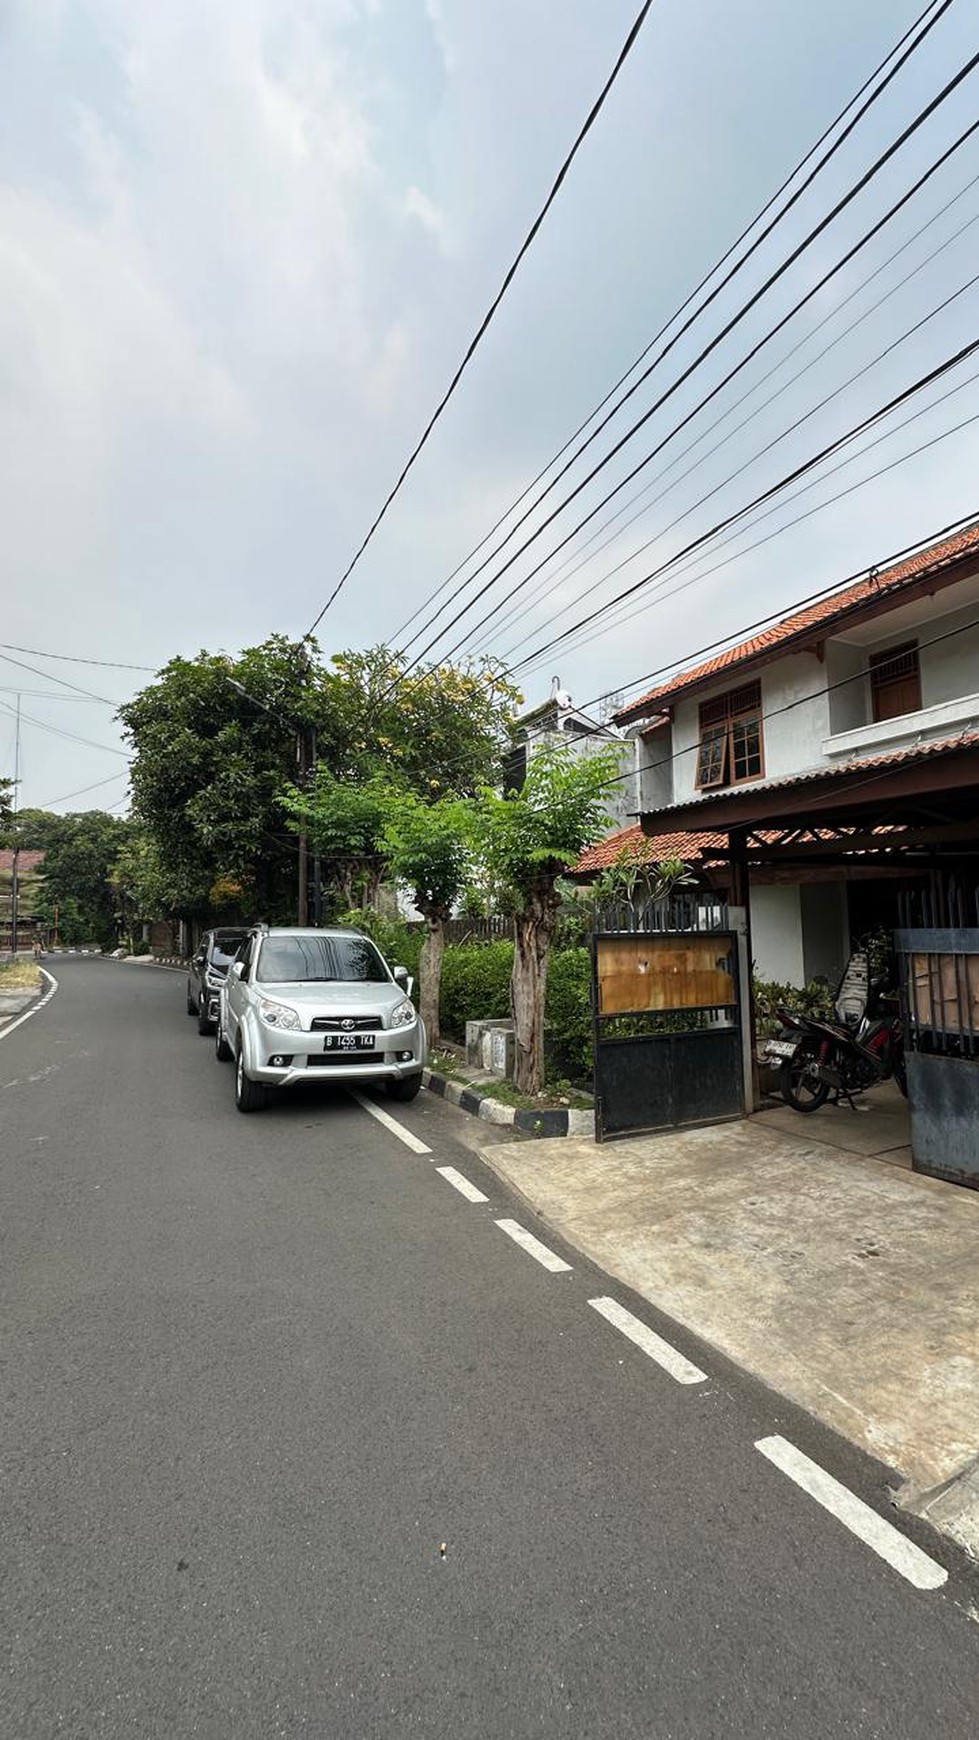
[292,960]
[225,948]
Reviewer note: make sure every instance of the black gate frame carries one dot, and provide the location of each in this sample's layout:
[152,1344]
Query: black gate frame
[677,1079]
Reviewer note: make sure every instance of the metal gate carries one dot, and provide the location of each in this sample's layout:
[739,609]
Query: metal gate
[666,1013]
[938,955]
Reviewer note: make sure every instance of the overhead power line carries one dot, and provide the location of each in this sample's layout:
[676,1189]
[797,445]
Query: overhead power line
[96,785]
[619,616]
[749,356]
[494,305]
[580,558]
[51,678]
[38,652]
[776,441]
[774,489]
[56,731]
[718,266]
[689,323]
[881,566]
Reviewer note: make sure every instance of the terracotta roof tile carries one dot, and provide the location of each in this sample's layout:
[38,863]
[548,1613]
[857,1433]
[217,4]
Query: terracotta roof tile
[690,847]
[814,616]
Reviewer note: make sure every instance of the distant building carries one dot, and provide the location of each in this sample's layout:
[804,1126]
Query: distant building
[558,721]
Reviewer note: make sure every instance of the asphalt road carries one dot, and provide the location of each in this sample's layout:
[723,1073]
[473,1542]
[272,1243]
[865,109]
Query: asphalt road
[258,1371]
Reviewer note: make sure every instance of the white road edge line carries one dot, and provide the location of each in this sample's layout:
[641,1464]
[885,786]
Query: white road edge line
[533,1247]
[410,1141]
[683,1370]
[461,1184]
[882,1537]
[34,1009]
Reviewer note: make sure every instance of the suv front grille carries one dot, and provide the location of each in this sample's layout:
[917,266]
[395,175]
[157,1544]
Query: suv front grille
[345,1024]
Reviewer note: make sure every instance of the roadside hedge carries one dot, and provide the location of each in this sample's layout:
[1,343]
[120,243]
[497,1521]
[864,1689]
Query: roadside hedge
[475,986]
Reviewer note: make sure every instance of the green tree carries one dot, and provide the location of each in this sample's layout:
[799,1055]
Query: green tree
[138,884]
[526,840]
[345,823]
[436,729]
[215,754]
[79,854]
[428,851]
[214,740]
[6,803]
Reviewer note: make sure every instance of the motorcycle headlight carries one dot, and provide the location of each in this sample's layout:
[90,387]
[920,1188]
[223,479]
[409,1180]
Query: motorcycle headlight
[402,1013]
[278,1015]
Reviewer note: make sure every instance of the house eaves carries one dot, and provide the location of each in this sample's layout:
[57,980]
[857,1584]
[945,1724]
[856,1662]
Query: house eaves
[930,570]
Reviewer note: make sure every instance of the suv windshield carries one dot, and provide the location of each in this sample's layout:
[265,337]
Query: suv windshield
[291,960]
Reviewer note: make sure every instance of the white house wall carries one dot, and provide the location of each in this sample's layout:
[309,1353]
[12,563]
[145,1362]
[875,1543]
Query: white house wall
[795,710]
[776,933]
[950,668]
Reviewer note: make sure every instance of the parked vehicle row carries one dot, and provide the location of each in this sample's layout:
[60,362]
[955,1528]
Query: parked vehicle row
[294,1005]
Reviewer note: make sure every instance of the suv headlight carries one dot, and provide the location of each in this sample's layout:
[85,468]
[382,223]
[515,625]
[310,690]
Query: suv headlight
[278,1015]
[402,1013]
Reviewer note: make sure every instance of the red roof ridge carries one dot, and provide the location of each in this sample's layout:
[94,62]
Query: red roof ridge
[799,622]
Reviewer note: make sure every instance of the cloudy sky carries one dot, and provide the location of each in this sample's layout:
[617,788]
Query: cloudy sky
[243,244]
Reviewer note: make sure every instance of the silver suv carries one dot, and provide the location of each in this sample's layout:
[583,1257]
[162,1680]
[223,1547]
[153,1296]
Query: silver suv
[315,1005]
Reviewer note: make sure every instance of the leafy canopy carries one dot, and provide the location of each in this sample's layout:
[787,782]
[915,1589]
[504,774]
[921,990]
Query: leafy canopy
[527,838]
[428,849]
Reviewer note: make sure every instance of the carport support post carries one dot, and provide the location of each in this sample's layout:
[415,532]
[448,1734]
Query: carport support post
[740,896]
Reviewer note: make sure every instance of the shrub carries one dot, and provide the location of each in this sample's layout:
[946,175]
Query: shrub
[568,1028]
[475,985]
[769,996]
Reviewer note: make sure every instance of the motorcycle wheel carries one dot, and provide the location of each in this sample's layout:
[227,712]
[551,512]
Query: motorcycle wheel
[801,1088]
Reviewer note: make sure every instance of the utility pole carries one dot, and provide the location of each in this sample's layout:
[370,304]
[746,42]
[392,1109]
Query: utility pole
[13,877]
[317,872]
[302,904]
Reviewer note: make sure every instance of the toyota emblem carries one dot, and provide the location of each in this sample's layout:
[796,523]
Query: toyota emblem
[348,1025]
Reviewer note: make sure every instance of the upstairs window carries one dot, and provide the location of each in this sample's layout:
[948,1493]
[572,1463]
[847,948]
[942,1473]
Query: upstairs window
[895,682]
[731,744]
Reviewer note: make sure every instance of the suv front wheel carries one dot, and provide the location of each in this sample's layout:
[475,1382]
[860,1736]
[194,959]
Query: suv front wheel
[250,1096]
[407,1088]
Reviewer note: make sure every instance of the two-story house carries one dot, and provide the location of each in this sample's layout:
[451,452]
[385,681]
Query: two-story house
[827,760]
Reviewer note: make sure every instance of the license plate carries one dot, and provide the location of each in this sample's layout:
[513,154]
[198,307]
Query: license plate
[781,1048]
[349,1041]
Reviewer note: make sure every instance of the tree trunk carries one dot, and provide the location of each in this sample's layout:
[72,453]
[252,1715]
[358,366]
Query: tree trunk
[533,934]
[430,975]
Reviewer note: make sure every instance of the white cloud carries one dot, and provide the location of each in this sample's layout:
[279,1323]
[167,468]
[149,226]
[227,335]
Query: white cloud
[418,205]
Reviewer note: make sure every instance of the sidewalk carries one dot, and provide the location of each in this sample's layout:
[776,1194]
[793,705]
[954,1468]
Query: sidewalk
[848,1285]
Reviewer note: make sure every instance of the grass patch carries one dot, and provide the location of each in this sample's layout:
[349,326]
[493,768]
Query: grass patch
[552,1099]
[19,976]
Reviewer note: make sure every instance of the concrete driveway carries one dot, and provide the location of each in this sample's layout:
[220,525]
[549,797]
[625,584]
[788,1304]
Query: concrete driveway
[849,1286]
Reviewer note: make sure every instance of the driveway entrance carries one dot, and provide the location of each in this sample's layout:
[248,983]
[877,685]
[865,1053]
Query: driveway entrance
[880,1128]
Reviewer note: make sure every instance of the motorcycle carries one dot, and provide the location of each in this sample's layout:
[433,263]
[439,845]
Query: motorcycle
[864,1045]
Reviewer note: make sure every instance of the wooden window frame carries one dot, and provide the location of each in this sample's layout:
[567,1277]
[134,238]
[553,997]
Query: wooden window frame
[719,750]
[886,674]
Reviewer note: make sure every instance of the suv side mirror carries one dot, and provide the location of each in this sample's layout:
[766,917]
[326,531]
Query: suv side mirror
[237,968]
[401,976]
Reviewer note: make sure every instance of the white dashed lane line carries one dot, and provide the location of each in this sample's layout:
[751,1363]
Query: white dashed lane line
[882,1537]
[527,1242]
[683,1370]
[35,1007]
[406,1136]
[461,1184]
